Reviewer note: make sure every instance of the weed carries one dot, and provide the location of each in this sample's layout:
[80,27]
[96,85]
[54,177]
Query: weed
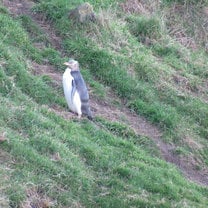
[145,27]
[36,34]
[128,134]
[166,51]
[53,57]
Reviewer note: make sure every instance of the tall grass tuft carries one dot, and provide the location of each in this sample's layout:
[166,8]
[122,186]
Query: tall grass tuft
[145,27]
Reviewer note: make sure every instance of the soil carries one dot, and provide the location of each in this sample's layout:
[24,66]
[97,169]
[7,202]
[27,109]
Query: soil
[187,165]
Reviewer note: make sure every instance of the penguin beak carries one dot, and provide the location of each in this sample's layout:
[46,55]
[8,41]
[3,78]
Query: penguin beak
[67,64]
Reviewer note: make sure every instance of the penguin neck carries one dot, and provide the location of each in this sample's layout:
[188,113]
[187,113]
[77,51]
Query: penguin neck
[75,73]
[75,70]
[67,71]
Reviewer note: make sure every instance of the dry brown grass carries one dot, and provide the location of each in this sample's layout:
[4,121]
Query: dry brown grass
[134,6]
[5,170]
[188,24]
[145,7]
[2,137]
[36,198]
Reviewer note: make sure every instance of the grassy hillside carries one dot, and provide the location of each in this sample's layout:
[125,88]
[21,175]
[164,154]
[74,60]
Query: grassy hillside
[164,80]
[47,160]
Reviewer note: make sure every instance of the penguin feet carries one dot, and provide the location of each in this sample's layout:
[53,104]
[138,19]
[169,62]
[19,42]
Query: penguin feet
[90,117]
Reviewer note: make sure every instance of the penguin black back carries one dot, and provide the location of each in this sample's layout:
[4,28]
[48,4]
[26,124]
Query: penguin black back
[83,93]
[80,85]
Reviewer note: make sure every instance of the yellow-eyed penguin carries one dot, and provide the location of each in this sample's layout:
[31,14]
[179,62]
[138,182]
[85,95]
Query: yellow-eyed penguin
[75,90]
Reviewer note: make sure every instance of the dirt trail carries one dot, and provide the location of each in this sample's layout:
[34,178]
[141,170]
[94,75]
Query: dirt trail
[105,109]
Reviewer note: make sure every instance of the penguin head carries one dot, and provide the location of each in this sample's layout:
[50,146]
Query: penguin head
[72,64]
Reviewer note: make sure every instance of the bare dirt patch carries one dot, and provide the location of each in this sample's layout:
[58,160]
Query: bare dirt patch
[48,70]
[188,165]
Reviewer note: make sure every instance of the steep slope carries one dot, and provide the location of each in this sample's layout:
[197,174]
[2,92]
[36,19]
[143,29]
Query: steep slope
[163,81]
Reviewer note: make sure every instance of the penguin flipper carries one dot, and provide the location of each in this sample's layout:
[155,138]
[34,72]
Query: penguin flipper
[73,89]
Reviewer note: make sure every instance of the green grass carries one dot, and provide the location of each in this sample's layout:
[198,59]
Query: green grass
[70,163]
[126,132]
[107,66]
[36,34]
[143,27]
[95,167]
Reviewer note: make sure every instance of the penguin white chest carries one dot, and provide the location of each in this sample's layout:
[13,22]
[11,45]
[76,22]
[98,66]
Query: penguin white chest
[71,94]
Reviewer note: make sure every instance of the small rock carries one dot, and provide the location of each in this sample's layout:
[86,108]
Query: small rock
[56,157]
[206,47]
[83,13]
[2,137]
